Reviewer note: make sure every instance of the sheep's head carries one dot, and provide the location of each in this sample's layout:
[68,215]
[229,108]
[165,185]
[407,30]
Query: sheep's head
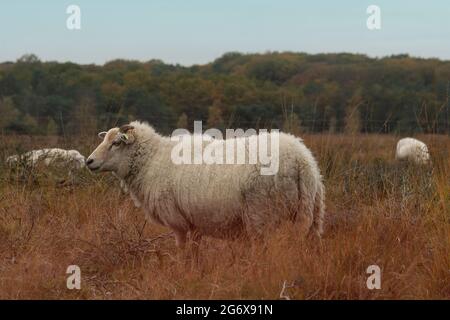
[114,151]
[419,154]
[12,160]
[77,158]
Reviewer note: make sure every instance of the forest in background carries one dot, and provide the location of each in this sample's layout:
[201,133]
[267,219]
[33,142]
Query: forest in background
[295,92]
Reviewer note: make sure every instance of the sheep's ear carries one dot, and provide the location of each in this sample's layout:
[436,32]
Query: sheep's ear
[126,134]
[102,135]
[126,128]
[127,138]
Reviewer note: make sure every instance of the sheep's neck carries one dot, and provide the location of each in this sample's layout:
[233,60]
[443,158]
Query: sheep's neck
[141,155]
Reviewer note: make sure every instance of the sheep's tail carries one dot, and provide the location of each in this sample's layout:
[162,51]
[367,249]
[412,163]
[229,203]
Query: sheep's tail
[318,211]
[312,203]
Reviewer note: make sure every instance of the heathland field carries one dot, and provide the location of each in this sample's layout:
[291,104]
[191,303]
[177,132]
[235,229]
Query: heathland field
[379,212]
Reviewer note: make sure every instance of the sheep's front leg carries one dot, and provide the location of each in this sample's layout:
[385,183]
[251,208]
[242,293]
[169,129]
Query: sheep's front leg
[180,238]
[195,244]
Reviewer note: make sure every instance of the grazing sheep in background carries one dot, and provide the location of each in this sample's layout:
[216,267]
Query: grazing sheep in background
[412,150]
[60,157]
[49,157]
[213,200]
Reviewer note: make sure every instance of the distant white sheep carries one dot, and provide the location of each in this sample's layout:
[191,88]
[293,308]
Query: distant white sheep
[212,199]
[60,157]
[49,157]
[67,160]
[413,150]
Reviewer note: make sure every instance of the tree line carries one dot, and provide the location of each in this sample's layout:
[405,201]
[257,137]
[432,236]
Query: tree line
[295,92]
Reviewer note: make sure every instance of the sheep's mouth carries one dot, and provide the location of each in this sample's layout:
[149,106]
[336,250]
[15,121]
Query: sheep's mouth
[94,168]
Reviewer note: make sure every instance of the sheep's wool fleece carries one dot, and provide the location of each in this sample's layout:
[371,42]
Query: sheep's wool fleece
[412,150]
[224,200]
[50,156]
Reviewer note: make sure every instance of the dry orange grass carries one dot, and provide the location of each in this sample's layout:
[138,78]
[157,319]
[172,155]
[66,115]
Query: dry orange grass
[378,212]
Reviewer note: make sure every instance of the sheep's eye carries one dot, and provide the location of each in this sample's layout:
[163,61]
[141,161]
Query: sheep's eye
[115,143]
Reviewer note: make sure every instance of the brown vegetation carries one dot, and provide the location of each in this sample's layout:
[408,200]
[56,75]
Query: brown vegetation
[378,212]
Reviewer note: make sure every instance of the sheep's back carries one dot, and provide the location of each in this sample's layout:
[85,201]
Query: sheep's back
[217,198]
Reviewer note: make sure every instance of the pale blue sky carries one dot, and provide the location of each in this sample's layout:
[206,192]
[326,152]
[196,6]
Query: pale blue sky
[198,31]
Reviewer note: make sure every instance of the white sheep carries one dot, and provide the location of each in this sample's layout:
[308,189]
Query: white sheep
[218,200]
[49,157]
[413,150]
[60,157]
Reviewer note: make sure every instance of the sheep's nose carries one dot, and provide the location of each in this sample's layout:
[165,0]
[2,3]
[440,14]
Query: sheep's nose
[89,161]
